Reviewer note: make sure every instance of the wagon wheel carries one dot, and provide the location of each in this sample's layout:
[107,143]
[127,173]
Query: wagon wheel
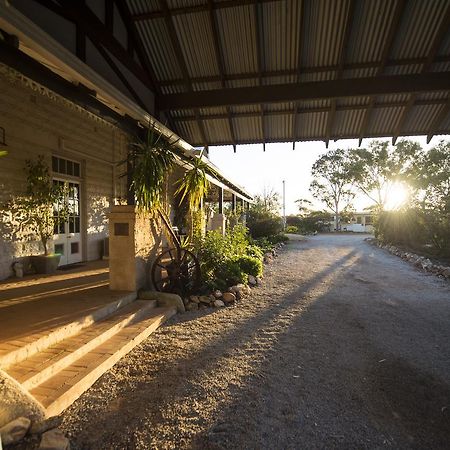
[176,271]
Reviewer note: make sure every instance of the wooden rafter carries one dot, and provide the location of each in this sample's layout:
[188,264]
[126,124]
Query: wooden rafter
[220,63]
[94,28]
[197,8]
[299,72]
[443,113]
[355,87]
[315,110]
[182,63]
[304,70]
[341,59]
[260,63]
[119,75]
[436,44]
[395,23]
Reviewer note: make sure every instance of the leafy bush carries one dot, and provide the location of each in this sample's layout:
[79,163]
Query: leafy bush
[291,229]
[250,265]
[264,225]
[227,260]
[278,238]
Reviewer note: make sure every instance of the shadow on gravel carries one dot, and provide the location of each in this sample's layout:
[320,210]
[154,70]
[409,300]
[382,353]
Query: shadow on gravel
[186,369]
[404,397]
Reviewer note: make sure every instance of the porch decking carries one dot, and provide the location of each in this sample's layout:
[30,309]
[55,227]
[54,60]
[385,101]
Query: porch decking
[60,333]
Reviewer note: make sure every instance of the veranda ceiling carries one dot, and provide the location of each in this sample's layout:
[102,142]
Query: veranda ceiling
[249,71]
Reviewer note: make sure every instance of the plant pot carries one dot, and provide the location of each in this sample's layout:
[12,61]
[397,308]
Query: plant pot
[45,263]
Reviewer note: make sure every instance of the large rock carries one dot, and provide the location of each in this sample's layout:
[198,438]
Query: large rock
[54,440]
[163,299]
[252,280]
[219,303]
[192,306]
[205,299]
[14,431]
[16,402]
[41,426]
[228,297]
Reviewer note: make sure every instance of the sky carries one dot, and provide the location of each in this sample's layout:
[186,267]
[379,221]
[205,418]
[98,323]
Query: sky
[255,170]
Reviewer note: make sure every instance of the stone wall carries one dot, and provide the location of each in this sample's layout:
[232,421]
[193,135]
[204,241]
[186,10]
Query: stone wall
[37,121]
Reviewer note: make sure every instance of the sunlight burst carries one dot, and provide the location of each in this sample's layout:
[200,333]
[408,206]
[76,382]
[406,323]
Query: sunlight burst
[397,196]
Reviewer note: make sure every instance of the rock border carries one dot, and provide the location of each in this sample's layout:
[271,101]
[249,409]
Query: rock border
[219,299]
[420,262]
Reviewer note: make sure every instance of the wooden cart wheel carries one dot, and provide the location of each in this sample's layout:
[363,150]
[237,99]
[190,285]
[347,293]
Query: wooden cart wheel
[176,271]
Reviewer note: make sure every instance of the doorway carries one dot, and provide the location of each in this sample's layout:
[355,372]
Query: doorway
[67,233]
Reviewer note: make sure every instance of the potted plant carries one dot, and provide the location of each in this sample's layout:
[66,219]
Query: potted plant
[35,211]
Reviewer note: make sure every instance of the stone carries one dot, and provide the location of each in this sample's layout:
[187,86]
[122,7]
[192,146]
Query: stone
[192,306]
[163,299]
[228,297]
[252,280]
[16,402]
[217,294]
[41,426]
[446,272]
[206,299]
[54,440]
[219,303]
[258,281]
[15,430]
[194,299]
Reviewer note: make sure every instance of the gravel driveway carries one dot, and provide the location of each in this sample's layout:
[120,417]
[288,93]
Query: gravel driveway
[344,346]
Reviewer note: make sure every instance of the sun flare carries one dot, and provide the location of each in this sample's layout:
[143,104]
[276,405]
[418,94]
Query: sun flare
[397,196]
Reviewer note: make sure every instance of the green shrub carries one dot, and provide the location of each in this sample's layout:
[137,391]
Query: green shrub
[264,226]
[291,229]
[278,238]
[227,260]
[250,265]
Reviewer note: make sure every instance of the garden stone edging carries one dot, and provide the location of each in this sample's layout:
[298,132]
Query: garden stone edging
[421,262]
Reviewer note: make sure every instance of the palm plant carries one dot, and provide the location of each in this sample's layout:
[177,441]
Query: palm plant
[194,185]
[151,161]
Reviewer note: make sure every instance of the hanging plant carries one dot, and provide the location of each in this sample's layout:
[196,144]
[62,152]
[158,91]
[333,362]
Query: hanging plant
[194,185]
[151,161]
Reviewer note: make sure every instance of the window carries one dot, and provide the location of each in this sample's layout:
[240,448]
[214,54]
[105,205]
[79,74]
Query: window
[65,166]
[369,220]
[358,219]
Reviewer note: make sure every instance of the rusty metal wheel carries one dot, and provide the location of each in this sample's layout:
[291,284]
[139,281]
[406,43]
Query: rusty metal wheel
[176,271]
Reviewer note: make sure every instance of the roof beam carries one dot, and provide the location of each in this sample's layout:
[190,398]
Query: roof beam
[436,44]
[220,63]
[355,87]
[395,23]
[299,72]
[180,57]
[322,109]
[197,8]
[94,28]
[341,59]
[311,69]
[260,59]
[443,113]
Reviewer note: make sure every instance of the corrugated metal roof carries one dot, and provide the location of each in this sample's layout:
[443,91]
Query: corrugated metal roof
[277,42]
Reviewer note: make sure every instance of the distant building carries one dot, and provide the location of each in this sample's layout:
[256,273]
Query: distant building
[360,222]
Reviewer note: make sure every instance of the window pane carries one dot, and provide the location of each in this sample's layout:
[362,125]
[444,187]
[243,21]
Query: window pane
[69,168]
[71,225]
[74,247]
[77,224]
[76,169]
[54,164]
[62,166]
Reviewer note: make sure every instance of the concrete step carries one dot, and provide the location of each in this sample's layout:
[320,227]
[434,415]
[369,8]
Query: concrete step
[62,389]
[39,342]
[42,365]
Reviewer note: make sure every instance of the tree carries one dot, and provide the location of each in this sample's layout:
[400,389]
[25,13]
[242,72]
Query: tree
[376,170]
[43,206]
[332,182]
[304,206]
[268,201]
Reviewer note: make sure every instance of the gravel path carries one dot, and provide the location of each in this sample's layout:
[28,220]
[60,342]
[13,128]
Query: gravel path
[344,346]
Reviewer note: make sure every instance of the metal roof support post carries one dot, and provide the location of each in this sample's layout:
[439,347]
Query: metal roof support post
[233,202]
[220,200]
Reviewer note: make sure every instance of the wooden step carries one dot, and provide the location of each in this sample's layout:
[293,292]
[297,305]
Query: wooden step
[40,342]
[43,365]
[62,389]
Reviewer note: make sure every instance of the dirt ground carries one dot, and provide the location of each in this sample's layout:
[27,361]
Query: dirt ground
[344,346]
